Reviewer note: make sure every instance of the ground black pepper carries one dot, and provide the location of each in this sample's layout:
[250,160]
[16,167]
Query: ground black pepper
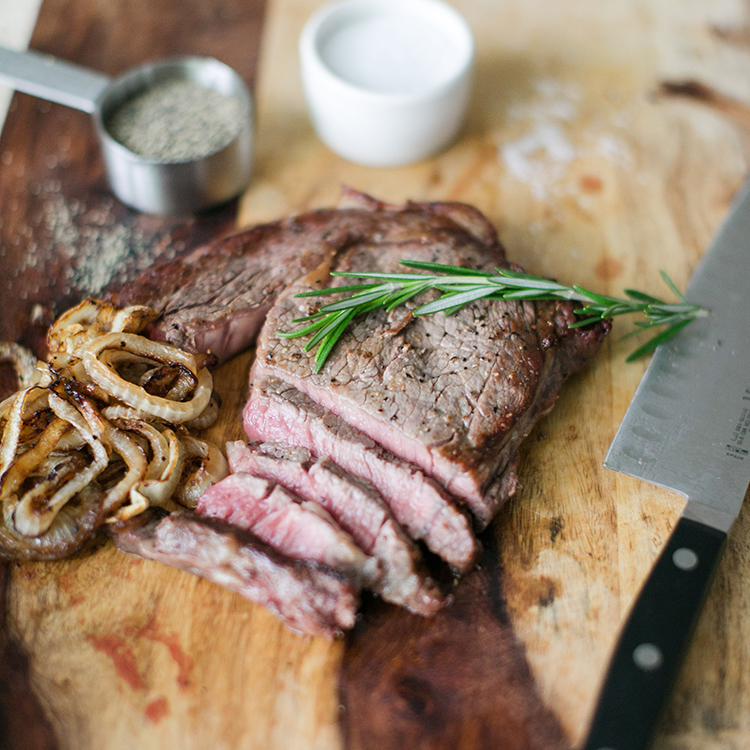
[177,121]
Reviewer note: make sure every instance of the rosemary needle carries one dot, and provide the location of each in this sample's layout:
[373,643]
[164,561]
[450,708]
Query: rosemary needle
[459,287]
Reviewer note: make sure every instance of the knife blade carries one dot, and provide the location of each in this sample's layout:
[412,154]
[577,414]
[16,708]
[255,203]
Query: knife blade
[687,429]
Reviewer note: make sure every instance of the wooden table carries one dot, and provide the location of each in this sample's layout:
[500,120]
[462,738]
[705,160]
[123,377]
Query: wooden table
[605,141]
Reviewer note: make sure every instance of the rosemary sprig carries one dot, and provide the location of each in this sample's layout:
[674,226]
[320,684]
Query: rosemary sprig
[462,286]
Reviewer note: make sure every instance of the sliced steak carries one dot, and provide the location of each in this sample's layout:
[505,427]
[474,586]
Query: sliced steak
[283,464]
[308,597]
[302,530]
[277,412]
[452,394]
[357,507]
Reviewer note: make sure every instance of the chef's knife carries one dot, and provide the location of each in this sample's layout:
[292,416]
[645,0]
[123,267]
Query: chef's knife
[688,430]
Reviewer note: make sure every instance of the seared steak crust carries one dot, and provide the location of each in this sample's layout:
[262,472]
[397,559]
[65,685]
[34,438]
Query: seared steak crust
[309,598]
[216,298]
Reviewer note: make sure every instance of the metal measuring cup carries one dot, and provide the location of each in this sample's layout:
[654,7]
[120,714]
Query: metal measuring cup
[145,184]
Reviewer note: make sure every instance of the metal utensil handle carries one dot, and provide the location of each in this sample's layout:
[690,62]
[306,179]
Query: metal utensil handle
[653,640]
[50,78]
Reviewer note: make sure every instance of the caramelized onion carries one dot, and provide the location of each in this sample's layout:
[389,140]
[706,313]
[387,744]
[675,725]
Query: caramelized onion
[70,531]
[12,411]
[208,416]
[33,514]
[159,490]
[135,460]
[135,396]
[18,412]
[28,461]
[204,465]
[132,319]
[120,413]
[103,433]
[92,318]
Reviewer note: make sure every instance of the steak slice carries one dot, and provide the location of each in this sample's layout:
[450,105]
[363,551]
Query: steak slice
[299,530]
[277,462]
[276,412]
[357,507]
[309,598]
[454,394]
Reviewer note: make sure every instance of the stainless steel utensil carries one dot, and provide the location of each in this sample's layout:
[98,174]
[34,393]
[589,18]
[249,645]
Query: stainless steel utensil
[146,185]
[688,430]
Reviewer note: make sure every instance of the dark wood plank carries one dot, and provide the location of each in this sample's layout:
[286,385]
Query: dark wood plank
[457,681]
[64,237]
[23,724]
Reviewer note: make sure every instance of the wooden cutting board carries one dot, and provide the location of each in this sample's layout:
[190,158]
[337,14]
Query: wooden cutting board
[605,141]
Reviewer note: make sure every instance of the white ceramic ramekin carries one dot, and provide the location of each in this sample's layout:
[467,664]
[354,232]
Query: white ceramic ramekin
[387,128]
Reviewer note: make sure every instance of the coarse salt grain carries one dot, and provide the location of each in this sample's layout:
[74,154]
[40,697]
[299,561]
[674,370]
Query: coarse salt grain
[541,157]
[523,157]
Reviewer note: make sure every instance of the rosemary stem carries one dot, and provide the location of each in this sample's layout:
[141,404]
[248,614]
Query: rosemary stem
[459,287]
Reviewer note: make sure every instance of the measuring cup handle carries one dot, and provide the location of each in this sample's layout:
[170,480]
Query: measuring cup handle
[50,78]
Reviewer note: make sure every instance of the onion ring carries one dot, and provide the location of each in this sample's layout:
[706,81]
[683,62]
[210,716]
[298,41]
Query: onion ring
[133,395]
[26,417]
[147,374]
[73,527]
[162,488]
[143,347]
[208,416]
[136,462]
[127,419]
[12,431]
[157,491]
[132,319]
[27,516]
[92,318]
[174,382]
[164,470]
[121,413]
[26,463]
[54,476]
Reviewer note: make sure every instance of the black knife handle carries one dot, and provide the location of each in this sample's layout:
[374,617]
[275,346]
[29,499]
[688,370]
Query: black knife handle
[654,638]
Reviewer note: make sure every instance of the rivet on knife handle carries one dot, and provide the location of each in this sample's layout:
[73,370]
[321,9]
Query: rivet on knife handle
[653,640]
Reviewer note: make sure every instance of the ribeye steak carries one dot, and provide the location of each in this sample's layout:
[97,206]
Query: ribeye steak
[413,425]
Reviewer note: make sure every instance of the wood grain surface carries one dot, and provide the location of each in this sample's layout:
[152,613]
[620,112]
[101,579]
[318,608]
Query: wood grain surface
[605,141]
